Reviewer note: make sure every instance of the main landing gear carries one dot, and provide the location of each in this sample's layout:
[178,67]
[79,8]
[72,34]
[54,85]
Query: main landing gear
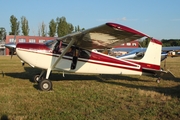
[43,84]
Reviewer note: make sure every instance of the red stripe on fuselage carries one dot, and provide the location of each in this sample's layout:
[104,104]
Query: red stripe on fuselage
[103,58]
[32,46]
[147,65]
[105,63]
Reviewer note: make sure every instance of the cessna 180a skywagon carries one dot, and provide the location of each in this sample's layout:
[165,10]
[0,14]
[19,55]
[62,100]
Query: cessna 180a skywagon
[75,53]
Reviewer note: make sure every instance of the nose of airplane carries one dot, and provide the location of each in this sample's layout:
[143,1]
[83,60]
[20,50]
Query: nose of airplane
[11,47]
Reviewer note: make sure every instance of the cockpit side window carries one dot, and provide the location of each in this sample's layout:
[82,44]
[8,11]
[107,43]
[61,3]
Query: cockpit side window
[70,51]
[84,54]
[59,47]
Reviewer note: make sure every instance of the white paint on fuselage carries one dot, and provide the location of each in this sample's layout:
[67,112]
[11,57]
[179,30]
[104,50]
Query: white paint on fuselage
[45,60]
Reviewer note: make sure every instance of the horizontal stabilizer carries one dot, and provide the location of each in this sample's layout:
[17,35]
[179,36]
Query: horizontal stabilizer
[165,74]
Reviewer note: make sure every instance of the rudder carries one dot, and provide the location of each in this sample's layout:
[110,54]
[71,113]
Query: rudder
[152,55]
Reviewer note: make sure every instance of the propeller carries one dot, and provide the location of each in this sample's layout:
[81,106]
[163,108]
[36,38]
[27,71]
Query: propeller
[11,47]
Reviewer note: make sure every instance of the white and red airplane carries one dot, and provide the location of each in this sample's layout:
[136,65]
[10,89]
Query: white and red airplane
[75,53]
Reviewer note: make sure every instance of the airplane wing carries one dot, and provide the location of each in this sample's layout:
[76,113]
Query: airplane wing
[125,49]
[173,48]
[136,53]
[130,50]
[103,36]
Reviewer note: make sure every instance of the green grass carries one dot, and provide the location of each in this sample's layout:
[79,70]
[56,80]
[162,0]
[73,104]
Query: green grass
[88,96]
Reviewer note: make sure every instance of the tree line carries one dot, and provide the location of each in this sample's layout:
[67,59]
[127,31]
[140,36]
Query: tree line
[165,42]
[58,27]
[61,27]
[170,42]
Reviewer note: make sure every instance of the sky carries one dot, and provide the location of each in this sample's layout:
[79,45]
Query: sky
[159,19]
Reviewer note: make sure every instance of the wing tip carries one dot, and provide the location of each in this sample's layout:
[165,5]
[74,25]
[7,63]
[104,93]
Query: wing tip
[125,28]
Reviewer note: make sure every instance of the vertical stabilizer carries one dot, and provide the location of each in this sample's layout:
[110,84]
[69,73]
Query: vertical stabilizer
[152,57]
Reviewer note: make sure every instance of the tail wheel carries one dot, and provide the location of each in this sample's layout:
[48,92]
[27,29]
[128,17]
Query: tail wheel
[158,80]
[45,85]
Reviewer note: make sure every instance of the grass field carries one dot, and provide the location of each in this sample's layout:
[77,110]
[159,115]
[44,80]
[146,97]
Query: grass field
[88,96]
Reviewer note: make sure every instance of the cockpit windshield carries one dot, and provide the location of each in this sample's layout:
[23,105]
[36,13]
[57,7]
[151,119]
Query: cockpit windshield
[51,43]
[58,47]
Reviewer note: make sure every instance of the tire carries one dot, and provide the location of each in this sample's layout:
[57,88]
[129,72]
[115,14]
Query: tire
[45,85]
[36,78]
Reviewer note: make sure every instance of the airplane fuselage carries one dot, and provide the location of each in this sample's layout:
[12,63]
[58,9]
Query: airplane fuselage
[41,56]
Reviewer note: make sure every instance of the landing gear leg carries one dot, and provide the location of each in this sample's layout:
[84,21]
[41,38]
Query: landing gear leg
[45,84]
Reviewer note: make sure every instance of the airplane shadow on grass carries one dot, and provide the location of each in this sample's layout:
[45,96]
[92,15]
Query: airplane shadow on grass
[172,91]
[110,79]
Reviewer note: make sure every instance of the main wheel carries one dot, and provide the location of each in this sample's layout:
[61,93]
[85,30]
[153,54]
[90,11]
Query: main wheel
[36,78]
[45,85]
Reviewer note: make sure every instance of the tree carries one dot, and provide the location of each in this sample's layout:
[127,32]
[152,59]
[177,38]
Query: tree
[2,33]
[42,30]
[63,28]
[14,26]
[24,26]
[77,28]
[145,42]
[71,27]
[52,28]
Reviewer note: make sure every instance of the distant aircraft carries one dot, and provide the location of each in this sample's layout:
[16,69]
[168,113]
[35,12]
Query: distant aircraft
[137,53]
[75,53]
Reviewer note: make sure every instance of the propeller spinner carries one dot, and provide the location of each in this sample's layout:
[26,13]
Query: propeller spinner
[11,47]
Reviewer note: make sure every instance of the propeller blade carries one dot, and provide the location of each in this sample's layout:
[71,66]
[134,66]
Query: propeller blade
[12,52]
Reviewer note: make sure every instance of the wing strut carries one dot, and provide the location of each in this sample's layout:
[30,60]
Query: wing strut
[59,58]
